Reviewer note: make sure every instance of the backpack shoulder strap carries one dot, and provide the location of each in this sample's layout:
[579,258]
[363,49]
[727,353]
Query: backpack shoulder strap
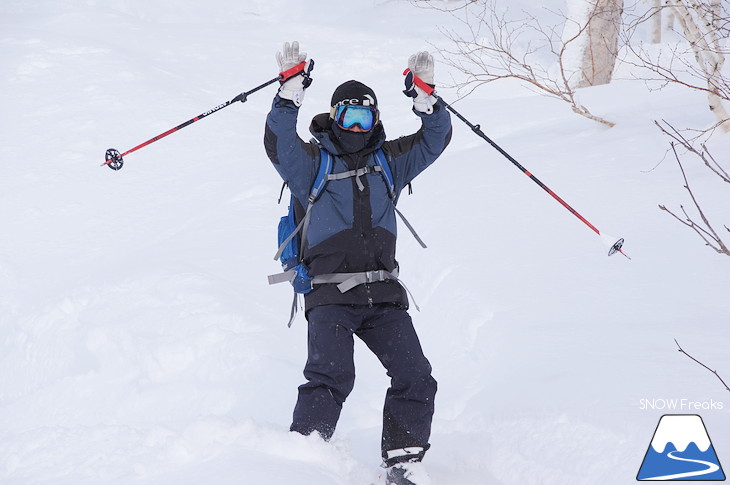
[320,181]
[326,163]
[390,185]
[385,171]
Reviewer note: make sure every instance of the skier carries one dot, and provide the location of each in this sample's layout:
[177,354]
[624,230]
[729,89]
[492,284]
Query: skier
[351,235]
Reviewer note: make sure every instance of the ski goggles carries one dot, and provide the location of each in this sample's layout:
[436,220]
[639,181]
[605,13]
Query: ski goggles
[347,116]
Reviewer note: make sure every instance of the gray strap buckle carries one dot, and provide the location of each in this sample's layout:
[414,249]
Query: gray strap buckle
[374,276]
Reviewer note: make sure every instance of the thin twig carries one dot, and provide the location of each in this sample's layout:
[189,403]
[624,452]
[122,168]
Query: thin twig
[704,154]
[703,365]
[495,46]
[707,233]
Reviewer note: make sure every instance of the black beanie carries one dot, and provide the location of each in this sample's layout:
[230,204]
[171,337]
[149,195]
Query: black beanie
[354,93]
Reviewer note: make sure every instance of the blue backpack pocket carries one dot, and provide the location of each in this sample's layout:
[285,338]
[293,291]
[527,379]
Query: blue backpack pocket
[302,282]
[290,255]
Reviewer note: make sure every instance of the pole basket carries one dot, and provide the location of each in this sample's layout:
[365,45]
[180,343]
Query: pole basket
[616,247]
[113,159]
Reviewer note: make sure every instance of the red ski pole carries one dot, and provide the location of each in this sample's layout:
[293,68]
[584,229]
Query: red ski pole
[115,159]
[614,247]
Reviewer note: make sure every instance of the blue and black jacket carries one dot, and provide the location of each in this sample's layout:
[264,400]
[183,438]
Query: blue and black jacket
[352,226]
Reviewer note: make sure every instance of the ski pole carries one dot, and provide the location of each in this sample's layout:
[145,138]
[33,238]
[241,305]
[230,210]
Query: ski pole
[115,160]
[614,247]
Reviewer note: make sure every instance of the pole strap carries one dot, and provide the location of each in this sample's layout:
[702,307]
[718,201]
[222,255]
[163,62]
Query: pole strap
[429,90]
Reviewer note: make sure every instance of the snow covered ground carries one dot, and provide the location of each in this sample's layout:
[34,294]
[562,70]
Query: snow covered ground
[141,344]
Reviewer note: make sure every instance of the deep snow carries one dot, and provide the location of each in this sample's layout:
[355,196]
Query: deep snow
[140,342]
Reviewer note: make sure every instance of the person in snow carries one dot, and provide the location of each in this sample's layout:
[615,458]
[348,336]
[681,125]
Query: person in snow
[352,233]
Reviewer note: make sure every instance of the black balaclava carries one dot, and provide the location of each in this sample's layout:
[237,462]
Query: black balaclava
[357,94]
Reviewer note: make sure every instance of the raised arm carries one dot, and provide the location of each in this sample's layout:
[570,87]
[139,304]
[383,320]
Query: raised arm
[410,155]
[294,159]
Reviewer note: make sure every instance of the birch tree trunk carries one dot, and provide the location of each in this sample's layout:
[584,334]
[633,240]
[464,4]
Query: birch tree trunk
[593,29]
[702,34]
[656,24]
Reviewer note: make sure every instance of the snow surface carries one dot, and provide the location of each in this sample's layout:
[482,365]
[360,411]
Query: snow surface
[141,344]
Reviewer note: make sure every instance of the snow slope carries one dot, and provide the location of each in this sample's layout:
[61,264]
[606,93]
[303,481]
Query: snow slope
[141,344]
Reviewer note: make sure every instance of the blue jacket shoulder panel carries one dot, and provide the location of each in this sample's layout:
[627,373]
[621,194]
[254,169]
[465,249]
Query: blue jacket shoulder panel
[410,155]
[294,159]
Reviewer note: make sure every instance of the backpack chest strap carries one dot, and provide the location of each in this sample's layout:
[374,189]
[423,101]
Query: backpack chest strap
[355,173]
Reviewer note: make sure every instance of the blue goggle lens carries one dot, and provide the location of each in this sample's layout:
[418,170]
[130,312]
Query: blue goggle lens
[348,116]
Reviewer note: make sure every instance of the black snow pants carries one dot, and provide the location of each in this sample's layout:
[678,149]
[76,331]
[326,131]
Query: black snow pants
[388,332]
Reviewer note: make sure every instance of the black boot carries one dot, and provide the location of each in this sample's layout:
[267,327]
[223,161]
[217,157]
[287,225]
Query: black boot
[404,467]
[407,473]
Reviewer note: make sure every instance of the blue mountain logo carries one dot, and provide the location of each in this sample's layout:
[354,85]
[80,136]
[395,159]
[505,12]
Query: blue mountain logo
[681,450]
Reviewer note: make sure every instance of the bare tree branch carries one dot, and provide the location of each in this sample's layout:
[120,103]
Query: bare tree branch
[703,365]
[704,230]
[704,154]
[489,47]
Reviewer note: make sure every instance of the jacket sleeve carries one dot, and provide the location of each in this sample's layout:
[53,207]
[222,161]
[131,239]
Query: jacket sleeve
[411,155]
[295,160]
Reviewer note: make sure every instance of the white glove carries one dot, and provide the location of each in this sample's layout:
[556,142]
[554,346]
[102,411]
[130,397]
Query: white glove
[422,65]
[292,88]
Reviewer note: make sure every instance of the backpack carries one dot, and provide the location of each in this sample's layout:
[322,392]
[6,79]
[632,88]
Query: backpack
[292,233]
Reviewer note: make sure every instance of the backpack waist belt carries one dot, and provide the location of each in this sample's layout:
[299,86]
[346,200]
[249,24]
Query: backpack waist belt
[347,281]
[344,281]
